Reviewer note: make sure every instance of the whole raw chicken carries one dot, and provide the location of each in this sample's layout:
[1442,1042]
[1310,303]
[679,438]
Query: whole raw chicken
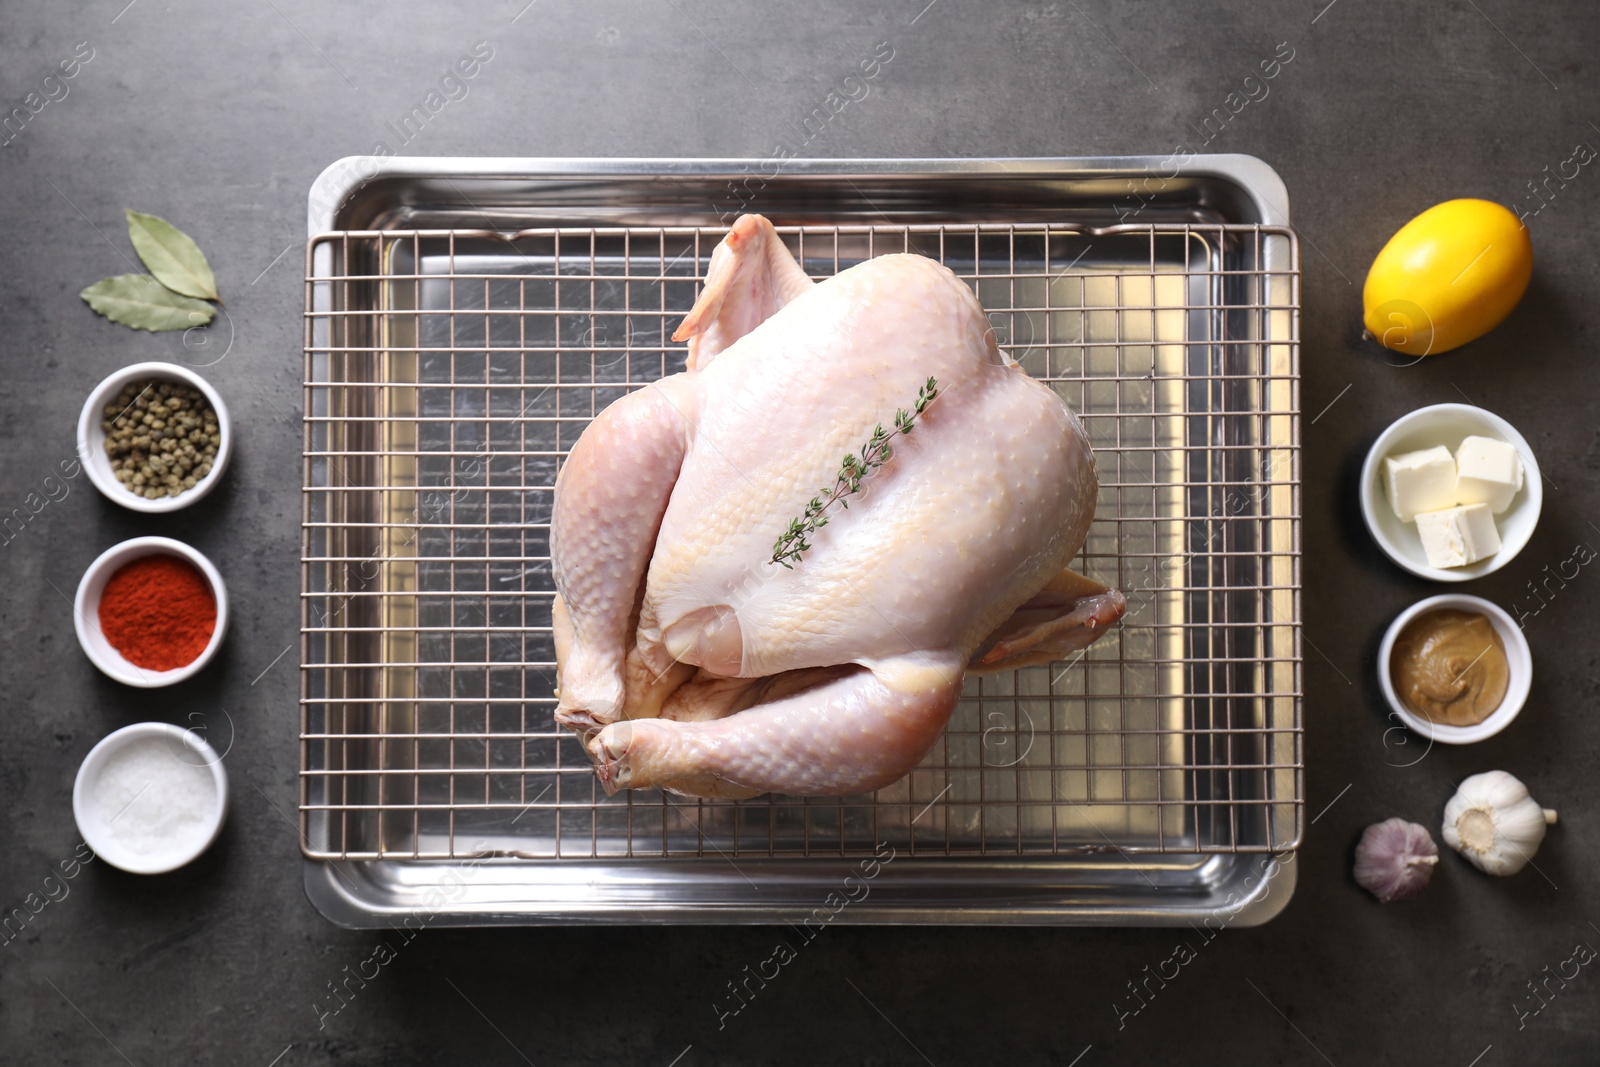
[689,658]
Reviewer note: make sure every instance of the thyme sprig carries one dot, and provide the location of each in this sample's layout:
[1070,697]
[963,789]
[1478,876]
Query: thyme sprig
[791,545]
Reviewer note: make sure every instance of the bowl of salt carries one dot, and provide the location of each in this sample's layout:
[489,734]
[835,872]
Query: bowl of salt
[150,797]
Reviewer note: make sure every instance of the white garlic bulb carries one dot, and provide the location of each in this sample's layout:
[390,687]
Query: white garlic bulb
[1494,823]
[1395,859]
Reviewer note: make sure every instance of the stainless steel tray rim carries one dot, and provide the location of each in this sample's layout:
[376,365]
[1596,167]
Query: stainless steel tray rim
[1258,186]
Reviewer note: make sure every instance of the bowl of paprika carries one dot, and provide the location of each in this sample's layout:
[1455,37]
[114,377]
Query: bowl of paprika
[150,611]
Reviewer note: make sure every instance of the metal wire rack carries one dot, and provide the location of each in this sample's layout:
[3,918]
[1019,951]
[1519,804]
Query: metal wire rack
[447,372]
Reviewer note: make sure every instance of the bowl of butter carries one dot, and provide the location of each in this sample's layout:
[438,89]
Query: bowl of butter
[1451,492]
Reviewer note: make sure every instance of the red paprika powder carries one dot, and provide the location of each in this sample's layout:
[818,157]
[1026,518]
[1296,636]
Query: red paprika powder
[158,612]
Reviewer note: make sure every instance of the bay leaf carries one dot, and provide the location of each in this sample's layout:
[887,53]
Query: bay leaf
[172,256]
[138,300]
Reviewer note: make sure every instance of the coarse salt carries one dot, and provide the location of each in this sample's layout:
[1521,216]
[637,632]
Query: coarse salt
[155,795]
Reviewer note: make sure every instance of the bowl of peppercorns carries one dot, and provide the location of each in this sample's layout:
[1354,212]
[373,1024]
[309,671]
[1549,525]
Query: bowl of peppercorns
[154,437]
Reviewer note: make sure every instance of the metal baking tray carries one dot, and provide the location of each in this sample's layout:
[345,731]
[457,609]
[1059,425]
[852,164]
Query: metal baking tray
[466,318]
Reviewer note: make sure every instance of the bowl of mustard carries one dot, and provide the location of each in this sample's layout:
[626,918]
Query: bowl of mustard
[1455,668]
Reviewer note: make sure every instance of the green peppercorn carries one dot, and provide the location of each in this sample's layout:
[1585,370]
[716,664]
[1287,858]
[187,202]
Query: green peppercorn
[161,437]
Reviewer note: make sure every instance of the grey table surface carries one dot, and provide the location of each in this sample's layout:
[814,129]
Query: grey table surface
[219,116]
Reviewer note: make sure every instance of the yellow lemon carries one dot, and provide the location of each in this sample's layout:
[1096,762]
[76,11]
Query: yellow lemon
[1449,276]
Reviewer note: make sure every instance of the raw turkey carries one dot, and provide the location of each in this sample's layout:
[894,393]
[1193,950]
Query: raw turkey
[694,654]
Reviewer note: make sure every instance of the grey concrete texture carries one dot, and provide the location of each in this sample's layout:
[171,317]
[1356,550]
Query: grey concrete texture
[218,117]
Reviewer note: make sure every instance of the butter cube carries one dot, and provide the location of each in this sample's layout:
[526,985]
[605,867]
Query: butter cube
[1488,471]
[1420,481]
[1455,537]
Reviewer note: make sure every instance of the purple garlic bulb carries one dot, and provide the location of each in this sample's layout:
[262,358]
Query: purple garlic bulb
[1395,859]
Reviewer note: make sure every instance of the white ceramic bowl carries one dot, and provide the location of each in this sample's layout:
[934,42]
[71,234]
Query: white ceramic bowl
[1518,657]
[92,439]
[86,611]
[1448,425]
[185,745]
